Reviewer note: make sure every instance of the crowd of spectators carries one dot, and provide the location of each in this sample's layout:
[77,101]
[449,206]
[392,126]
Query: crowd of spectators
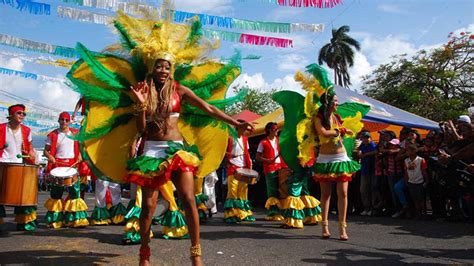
[408,176]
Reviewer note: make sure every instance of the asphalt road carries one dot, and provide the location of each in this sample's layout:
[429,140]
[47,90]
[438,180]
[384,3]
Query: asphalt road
[373,241]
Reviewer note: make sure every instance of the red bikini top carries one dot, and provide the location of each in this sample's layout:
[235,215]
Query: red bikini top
[175,100]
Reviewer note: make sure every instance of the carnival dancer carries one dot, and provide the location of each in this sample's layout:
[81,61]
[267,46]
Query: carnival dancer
[298,207]
[237,207]
[62,151]
[312,122]
[16,147]
[159,51]
[104,214]
[268,152]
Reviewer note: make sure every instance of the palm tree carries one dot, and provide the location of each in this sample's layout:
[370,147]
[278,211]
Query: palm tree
[339,55]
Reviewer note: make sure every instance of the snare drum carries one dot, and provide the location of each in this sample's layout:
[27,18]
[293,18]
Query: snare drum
[64,176]
[246,175]
[18,184]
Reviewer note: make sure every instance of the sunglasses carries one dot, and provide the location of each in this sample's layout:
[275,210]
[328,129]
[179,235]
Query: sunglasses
[64,119]
[21,113]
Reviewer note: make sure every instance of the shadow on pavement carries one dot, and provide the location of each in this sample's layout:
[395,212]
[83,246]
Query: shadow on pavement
[250,235]
[455,254]
[51,257]
[428,229]
[356,257]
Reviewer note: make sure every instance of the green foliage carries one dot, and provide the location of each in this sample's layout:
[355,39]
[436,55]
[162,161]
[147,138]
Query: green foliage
[437,84]
[339,56]
[257,101]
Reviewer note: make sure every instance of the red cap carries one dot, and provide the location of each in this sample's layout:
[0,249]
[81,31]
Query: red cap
[65,115]
[15,108]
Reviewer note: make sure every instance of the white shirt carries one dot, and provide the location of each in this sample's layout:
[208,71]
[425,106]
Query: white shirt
[13,143]
[273,142]
[414,170]
[64,145]
[238,153]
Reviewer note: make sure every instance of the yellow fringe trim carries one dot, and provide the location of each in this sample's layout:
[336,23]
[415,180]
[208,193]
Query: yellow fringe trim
[75,205]
[309,201]
[133,225]
[54,205]
[25,218]
[313,219]
[272,201]
[202,207]
[295,223]
[100,222]
[276,218]
[78,223]
[118,219]
[292,203]
[234,212]
[175,232]
[332,175]
[56,225]
[187,157]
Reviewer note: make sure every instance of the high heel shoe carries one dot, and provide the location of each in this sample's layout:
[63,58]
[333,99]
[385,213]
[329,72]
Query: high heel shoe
[144,255]
[325,227]
[342,231]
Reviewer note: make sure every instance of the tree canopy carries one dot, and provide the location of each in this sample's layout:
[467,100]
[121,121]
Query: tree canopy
[436,84]
[257,101]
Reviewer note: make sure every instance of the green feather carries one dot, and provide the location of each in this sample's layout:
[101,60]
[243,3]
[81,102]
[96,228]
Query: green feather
[320,74]
[127,43]
[104,128]
[182,71]
[221,104]
[114,80]
[196,33]
[112,98]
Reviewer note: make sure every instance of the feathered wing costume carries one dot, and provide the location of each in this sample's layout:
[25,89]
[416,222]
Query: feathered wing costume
[109,126]
[298,141]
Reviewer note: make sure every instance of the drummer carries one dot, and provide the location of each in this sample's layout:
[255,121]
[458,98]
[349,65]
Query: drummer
[16,147]
[62,151]
[268,152]
[237,207]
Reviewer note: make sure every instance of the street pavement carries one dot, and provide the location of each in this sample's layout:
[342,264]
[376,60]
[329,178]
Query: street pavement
[373,241]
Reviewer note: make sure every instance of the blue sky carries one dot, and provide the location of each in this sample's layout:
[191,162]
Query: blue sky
[384,29]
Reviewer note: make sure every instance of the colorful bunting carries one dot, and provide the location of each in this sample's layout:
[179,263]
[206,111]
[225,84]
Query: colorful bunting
[27,75]
[87,16]
[40,59]
[35,8]
[305,3]
[221,22]
[37,46]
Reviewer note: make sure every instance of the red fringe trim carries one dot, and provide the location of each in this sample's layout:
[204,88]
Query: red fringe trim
[333,178]
[177,165]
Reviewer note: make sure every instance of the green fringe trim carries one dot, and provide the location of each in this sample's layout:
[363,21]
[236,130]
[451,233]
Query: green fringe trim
[111,79]
[100,214]
[132,237]
[201,198]
[112,98]
[75,216]
[24,210]
[337,168]
[104,128]
[202,215]
[237,204]
[31,226]
[292,213]
[134,212]
[130,205]
[173,219]
[117,210]
[274,210]
[53,217]
[312,211]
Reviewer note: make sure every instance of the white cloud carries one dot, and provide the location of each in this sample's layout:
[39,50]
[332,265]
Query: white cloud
[257,81]
[390,8]
[218,7]
[469,28]
[57,95]
[361,68]
[381,50]
[12,63]
[291,62]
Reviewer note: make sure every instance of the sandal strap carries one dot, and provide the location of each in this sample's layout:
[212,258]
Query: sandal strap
[325,223]
[343,224]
